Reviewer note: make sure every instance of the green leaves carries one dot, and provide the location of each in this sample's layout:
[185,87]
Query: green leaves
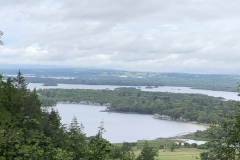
[35,145]
[147,153]
[190,107]
[28,132]
[226,138]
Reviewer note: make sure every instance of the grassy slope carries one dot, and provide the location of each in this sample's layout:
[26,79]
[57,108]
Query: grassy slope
[177,154]
[166,154]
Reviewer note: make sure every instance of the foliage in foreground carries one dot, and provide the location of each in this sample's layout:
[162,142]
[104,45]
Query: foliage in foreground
[27,132]
[147,153]
[225,138]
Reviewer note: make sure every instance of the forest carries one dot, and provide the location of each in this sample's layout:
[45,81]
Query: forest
[127,78]
[191,107]
[28,131]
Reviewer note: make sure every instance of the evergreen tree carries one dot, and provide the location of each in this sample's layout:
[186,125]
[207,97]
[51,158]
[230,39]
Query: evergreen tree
[124,152]
[75,128]
[147,153]
[226,138]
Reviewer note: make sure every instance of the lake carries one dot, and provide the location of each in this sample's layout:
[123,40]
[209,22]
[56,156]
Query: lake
[128,127]
[225,95]
[122,127]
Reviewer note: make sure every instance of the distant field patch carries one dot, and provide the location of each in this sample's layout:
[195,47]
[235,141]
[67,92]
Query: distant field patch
[180,154]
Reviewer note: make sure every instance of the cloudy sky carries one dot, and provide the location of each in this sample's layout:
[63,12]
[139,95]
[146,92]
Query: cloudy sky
[192,36]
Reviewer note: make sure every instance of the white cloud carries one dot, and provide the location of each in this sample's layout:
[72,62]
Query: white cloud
[155,35]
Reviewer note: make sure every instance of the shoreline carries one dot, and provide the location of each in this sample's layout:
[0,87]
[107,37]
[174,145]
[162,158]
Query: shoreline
[108,104]
[84,103]
[190,122]
[177,136]
[132,85]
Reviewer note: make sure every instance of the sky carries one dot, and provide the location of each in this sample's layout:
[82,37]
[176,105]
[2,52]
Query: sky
[190,36]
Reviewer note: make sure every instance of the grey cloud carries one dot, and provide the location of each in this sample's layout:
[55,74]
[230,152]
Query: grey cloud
[173,35]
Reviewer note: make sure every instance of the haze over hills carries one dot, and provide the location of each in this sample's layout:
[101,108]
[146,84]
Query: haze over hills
[127,78]
[189,70]
[5,66]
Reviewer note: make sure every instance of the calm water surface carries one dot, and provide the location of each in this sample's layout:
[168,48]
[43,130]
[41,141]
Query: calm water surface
[226,95]
[122,127]
[128,127]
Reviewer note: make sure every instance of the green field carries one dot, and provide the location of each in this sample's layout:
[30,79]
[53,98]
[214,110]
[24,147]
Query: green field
[166,154]
[177,154]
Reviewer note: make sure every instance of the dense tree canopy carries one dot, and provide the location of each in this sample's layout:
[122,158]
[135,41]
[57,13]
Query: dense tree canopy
[192,107]
[225,139]
[225,143]
[28,132]
[147,153]
[127,78]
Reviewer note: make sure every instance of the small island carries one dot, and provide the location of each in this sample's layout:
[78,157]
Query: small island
[50,84]
[149,87]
